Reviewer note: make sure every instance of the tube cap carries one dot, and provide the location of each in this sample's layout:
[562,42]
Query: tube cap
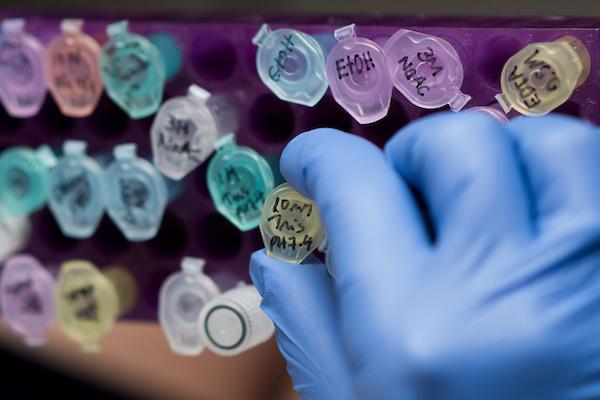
[137,194]
[291,64]
[76,194]
[238,180]
[290,225]
[233,322]
[26,298]
[358,76]
[182,298]
[426,69]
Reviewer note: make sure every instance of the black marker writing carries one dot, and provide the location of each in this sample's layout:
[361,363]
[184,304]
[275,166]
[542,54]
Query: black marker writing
[354,64]
[287,47]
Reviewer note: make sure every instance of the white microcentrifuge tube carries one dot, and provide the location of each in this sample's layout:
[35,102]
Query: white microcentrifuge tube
[182,298]
[233,322]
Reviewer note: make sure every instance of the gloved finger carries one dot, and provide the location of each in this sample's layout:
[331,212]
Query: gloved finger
[468,172]
[376,236]
[299,300]
[562,165]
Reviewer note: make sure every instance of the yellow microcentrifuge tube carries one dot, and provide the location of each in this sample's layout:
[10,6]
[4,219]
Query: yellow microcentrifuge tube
[542,76]
[290,225]
[86,302]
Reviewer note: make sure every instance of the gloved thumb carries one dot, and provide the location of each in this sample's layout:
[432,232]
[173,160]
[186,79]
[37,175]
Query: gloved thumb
[300,301]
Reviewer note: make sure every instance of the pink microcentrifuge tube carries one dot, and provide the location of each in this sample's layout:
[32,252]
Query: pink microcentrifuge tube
[22,85]
[72,70]
[426,70]
[358,76]
[26,297]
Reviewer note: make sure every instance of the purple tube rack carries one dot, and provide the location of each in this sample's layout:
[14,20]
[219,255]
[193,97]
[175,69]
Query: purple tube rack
[219,56]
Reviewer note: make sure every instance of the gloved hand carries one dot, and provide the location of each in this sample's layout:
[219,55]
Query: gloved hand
[467,263]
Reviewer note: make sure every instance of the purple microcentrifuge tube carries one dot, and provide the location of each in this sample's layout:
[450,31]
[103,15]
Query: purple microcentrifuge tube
[358,76]
[26,298]
[425,69]
[22,84]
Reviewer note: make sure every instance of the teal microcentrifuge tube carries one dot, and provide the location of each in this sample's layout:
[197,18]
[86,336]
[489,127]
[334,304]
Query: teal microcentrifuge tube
[136,194]
[133,71]
[239,180]
[24,179]
[76,193]
[184,133]
[182,298]
[291,64]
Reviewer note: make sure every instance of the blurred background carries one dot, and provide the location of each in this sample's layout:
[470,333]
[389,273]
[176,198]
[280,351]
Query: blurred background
[136,362]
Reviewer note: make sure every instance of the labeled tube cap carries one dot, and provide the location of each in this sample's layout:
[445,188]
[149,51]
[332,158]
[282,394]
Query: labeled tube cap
[86,303]
[26,298]
[182,297]
[233,322]
[239,180]
[72,70]
[137,194]
[183,133]
[290,225]
[291,64]
[22,83]
[133,71]
[76,191]
[426,69]
[542,76]
[358,76]
[23,179]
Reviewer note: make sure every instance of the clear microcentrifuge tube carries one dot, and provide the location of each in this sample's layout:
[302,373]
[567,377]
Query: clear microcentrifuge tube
[233,322]
[292,64]
[14,233]
[86,303]
[239,180]
[76,193]
[426,69]
[542,76]
[182,297]
[24,179]
[136,194]
[72,70]
[133,71]
[184,133]
[26,298]
[492,112]
[22,84]
[290,225]
[359,77]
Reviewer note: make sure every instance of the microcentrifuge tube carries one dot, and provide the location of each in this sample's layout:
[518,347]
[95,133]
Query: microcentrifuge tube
[492,112]
[291,64]
[76,192]
[136,194]
[184,133]
[239,180]
[542,76]
[26,298]
[72,70]
[426,69]
[359,77]
[24,179]
[86,303]
[14,233]
[133,71]
[182,297]
[290,225]
[233,322]
[22,84]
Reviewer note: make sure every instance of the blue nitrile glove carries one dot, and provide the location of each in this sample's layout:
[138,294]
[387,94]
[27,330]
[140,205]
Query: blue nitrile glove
[497,296]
